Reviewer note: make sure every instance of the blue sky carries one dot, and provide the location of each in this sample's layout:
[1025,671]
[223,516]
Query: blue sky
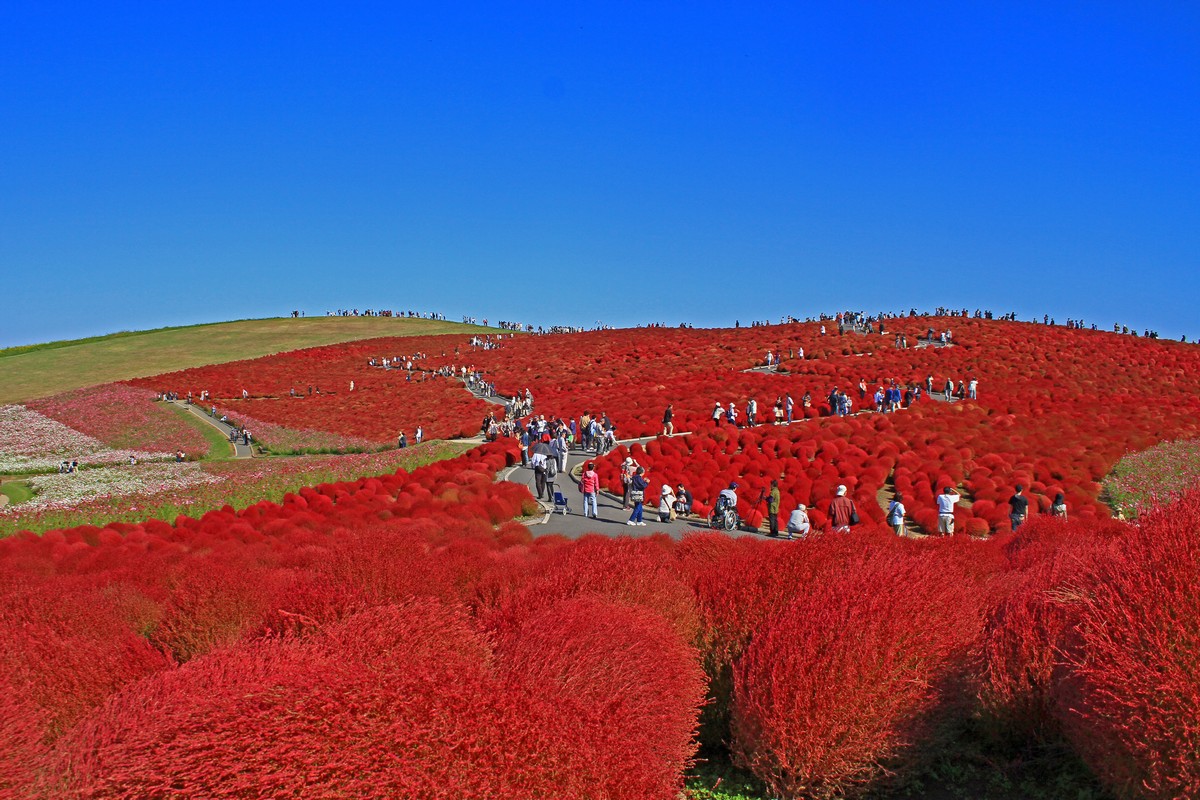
[564,163]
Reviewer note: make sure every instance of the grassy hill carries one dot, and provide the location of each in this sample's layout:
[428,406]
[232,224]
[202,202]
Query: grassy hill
[39,370]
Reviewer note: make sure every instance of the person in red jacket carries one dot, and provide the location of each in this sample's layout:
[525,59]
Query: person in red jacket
[842,513]
[589,484]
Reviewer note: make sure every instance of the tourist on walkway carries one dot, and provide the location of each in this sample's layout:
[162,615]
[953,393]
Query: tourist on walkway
[683,501]
[773,509]
[589,484]
[666,499]
[895,514]
[637,495]
[945,503]
[628,470]
[842,513]
[798,524]
[668,420]
[539,460]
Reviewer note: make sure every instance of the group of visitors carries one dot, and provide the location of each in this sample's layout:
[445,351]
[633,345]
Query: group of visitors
[354,312]
[782,412]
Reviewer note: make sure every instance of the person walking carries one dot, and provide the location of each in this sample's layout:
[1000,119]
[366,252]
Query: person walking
[798,524]
[637,496]
[1059,507]
[1018,507]
[668,420]
[895,514]
[589,484]
[789,404]
[540,463]
[628,470]
[945,503]
[842,513]
[773,509]
[717,414]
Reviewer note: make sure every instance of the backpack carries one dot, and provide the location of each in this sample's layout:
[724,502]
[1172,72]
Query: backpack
[551,467]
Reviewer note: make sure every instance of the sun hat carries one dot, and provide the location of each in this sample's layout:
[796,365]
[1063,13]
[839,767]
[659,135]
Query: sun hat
[629,462]
[666,489]
[841,490]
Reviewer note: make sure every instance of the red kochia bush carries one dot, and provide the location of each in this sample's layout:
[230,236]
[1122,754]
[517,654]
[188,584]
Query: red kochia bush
[66,648]
[22,730]
[1026,628]
[838,686]
[1134,686]
[367,710]
[407,701]
[635,572]
[628,682]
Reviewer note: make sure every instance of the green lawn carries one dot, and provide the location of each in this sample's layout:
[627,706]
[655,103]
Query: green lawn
[219,445]
[39,370]
[16,491]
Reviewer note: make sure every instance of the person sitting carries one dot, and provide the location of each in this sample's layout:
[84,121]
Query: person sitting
[683,501]
[727,498]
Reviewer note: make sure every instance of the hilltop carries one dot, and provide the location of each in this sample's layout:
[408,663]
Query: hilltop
[44,369]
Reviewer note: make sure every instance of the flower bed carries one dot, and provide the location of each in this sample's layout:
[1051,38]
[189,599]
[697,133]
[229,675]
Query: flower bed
[382,403]
[33,442]
[124,417]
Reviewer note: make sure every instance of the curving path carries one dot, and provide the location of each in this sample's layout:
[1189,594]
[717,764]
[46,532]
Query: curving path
[613,518]
[239,450]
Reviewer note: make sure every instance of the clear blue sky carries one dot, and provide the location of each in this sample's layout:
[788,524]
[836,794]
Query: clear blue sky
[562,163]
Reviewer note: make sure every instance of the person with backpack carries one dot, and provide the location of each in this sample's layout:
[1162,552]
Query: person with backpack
[895,514]
[551,474]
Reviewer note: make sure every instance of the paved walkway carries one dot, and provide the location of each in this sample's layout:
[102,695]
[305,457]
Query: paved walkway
[239,450]
[613,517]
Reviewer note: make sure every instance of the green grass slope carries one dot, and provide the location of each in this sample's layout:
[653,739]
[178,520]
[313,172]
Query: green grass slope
[39,370]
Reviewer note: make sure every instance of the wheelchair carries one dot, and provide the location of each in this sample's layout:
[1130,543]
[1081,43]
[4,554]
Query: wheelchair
[724,518]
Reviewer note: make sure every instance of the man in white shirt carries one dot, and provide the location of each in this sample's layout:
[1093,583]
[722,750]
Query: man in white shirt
[945,503]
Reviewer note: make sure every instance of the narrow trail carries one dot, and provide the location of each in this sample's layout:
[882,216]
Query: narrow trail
[239,450]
